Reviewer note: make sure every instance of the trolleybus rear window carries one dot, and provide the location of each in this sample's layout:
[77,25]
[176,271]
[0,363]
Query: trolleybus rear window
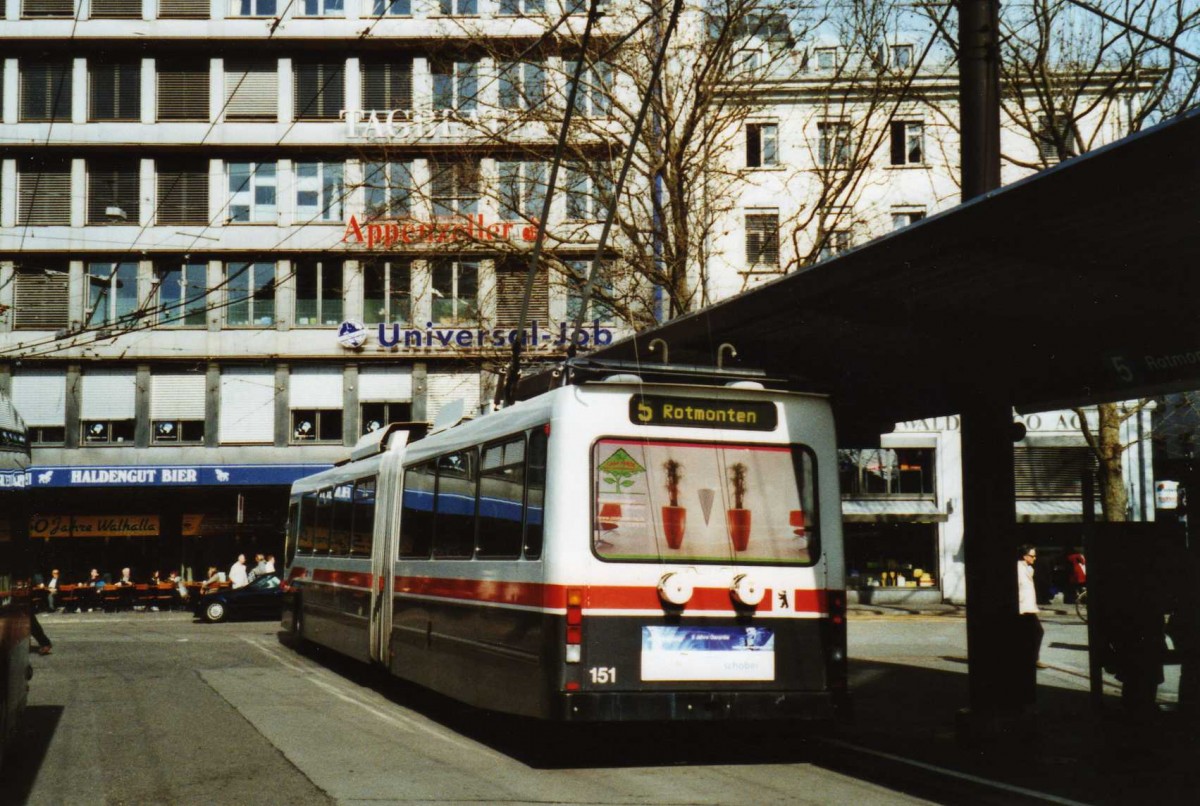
[704,502]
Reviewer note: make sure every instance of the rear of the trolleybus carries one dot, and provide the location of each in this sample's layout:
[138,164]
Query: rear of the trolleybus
[714,588]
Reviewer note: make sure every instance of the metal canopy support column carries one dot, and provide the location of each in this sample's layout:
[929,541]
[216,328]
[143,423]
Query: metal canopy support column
[989,519]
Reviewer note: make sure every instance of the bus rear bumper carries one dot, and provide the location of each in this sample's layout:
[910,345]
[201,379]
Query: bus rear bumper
[699,706]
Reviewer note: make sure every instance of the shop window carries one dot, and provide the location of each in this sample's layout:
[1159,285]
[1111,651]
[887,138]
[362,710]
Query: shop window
[522,189]
[113,191]
[378,414]
[45,90]
[322,8]
[387,291]
[594,97]
[41,296]
[391,8]
[455,188]
[316,425]
[318,292]
[762,241]
[762,145]
[387,85]
[455,83]
[588,190]
[182,191]
[250,294]
[389,189]
[252,192]
[883,471]
[177,432]
[182,294]
[522,85]
[115,90]
[43,191]
[891,555]
[108,432]
[320,191]
[455,285]
[319,90]
[112,293]
[182,89]
[908,142]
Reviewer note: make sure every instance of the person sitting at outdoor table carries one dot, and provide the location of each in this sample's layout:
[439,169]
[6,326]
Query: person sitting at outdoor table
[155,579]
[95,580]
[260,567]
[126,581]
[215,578]
[177,581]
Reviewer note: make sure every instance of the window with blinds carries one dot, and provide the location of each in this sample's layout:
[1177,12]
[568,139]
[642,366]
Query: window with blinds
[387,85]
[41,397]
[251,90]
[315,399]
[1052,472]
[48,8]
[510,291]
[40,298]
[762,240]
[182,90]
[319,90]
[455,187]
[183,192]
[115,91]
[247,405]
[447,386]
[109,9]
[184,9]
[43,191]
[177,407]
[45,91]
[113,191]
[107,409]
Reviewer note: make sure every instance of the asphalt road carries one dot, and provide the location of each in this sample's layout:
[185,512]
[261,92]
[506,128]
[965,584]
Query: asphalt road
[148,708]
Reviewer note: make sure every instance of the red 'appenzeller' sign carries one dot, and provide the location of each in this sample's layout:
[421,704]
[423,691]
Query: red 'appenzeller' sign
[473,228]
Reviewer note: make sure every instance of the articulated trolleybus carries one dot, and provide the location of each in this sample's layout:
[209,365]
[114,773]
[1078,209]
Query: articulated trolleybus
[619,548]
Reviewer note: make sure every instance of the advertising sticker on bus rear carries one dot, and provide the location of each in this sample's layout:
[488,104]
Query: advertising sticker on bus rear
[708,653]
[746,415]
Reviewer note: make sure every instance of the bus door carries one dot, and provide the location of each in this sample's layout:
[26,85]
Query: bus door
[383,553]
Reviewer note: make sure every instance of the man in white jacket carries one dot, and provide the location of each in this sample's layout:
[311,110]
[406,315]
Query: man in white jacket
[237,573]
[1030,627]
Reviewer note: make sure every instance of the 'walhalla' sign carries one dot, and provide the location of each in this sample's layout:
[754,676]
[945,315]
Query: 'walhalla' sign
[465,229]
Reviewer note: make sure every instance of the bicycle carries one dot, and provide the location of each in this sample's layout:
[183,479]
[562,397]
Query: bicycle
[1081,606]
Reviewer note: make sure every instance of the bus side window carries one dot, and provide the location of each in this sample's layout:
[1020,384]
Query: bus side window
[339,533]
[535,492]
[454,528]
[293,532]
[501,497]
[416,516]
[323,522]
[362,532]
[308,523]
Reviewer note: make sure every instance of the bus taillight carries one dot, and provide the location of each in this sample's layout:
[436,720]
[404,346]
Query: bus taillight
[574,651]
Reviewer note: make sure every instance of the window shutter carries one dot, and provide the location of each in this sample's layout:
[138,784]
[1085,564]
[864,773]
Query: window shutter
[315,388]
[448,386]
[113,192]
[251,91]
[108,394]
[510,290]
[46,91]
[177,395]
[40,300]
[48,8]
[392,384]
[319,91]
[183,91]
[247,405]
[44,191]
[185,9]
[40,395]
[387,85]
[116,8]
[115,91]
[183,192]
[1053,472]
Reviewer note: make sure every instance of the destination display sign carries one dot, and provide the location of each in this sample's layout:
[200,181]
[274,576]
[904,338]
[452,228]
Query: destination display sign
[747,415]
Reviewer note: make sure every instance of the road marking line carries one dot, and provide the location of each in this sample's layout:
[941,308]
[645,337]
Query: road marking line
[1017,790]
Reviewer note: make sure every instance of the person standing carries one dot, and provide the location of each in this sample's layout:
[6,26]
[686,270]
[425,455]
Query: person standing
[237,572]
[1076,575]
[1030,630]
[52,589]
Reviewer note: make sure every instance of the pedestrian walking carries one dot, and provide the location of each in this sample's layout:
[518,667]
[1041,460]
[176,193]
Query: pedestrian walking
[1029,634]
[39,635]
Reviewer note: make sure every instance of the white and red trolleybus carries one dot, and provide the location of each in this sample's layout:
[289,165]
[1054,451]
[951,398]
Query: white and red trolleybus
[611,550]
[14,573]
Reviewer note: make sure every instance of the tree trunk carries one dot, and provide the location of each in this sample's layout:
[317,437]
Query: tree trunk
[1113,499]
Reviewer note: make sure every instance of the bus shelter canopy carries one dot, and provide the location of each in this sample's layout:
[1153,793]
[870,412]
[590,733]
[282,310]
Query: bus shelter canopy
[1077,285]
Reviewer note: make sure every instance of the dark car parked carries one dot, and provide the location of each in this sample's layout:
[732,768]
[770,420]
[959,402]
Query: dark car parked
[261,599]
